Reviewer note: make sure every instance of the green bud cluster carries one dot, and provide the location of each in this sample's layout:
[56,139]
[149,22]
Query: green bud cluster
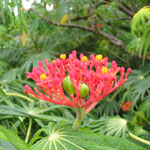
[69,88]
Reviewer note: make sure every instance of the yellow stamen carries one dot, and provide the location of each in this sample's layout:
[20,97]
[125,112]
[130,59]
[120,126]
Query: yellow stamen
[63,56]
[104,70]
[43,76]
[84,58]
[53,61]
[99,57]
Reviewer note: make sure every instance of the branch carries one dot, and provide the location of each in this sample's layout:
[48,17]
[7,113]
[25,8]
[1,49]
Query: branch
[46,11]
[126,10]
[107,22]
[122,18]
[134,5]
[110,37]
[123,7]
[80,18]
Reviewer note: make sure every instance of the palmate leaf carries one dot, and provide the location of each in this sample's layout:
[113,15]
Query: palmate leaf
[33,59]
[13,138]
[145,107]
[137,84]
[11,85]
[12,74]
[142,87]
[135,45]
[3,96]
[38,110]
[135,77]
[140,18]
[140,27]
[107,106]
[140,131]
[63,138]
[3,67]
[113,126]
[7,110]
[5,145]
[145,41]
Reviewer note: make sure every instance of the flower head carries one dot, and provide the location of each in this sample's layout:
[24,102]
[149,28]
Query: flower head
[78,83]
[23,9]
[126,106]
[99,25]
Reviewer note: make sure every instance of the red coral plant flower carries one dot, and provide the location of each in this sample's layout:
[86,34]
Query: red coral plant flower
[126,106]
[77,83]
[23,9]
[99,25]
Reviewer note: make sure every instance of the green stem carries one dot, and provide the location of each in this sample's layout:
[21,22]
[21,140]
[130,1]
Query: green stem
[20,95]
[29,130]
[80,113]
[139,139]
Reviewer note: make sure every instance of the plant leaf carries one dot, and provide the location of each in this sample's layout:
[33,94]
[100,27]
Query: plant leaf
[14,139]
[63,138]
[5,145]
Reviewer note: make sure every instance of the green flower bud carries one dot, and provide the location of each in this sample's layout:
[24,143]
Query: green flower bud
[68,86]
[84,91]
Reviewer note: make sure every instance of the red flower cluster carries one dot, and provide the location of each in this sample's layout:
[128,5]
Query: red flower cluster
[93,73]
[126,106]
[99,25]
[23,9]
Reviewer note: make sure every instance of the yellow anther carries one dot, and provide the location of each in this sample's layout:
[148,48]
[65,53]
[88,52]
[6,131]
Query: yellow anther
[63,56]
[53,61]
[99,57]
[104,70]
[84,58]
[43,76]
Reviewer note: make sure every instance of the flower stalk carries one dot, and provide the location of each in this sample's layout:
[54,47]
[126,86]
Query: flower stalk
[139,139]
[80,113]
[29,130]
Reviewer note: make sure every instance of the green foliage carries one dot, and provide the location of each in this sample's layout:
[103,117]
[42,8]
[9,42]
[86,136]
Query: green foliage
[28,112]
[138,84]
[60,137]
[107,106]
[3,67]
[113,126]
[13,138]
[63,138]
[140,27]
[26,38]
[140,19]
[5,145]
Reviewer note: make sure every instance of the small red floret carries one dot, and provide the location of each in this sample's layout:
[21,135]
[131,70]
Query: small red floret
[126,106]
[23,9]
[99,25]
